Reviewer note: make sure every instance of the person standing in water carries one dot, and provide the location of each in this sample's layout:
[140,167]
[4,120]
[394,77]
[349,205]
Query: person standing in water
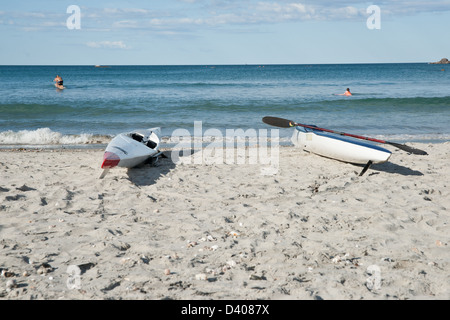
[58,82]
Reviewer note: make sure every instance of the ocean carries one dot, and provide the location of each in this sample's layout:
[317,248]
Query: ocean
[395,102]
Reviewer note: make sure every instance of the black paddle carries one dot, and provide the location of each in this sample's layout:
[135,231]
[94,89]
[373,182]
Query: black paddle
[284,123]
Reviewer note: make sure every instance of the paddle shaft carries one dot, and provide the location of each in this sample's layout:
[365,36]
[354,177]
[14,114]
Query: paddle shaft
[340,133]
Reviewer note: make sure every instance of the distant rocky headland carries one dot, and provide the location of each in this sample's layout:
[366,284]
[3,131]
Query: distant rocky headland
[442,61]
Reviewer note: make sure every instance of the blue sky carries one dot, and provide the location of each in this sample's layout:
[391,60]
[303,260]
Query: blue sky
[222,32]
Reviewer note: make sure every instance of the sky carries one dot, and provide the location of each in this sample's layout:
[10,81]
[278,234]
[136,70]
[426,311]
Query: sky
[201,32]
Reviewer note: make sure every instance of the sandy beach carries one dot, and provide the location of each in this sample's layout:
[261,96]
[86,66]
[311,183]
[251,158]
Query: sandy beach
[313,230]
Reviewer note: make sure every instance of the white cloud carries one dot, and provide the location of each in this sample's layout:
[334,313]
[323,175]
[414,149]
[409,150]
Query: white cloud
[126,11]
[224,13]
[189,15]
[107,44]
[126,24]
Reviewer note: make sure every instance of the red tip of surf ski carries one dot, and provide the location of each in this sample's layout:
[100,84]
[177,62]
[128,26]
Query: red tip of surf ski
[110,160]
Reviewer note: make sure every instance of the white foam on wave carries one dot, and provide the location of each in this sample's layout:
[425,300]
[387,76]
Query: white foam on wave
[44,136]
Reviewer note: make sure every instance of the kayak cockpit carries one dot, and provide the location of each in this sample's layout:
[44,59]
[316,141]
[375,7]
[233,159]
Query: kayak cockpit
[145,140]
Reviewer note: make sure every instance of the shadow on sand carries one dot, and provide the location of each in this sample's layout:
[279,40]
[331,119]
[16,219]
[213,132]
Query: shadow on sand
[148,174]
[390,167]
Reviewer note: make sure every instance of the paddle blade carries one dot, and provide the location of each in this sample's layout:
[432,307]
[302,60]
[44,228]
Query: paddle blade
[408,148]
[279,122]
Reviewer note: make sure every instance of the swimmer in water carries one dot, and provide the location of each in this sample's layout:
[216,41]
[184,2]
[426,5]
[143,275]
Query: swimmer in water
[347,93]
[58,82]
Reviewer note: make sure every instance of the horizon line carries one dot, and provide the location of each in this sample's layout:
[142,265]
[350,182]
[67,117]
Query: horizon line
[206,64]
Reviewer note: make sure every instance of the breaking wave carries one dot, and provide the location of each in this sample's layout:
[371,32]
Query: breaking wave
[45,136]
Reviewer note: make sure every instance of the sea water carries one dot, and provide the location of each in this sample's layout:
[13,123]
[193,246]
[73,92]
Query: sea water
[394,102]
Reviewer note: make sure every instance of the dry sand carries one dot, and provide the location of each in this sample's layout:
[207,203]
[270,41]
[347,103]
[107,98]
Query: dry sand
[314,230]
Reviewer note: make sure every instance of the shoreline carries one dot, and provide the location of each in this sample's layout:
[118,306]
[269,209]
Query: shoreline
[285,142]
[313,230]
